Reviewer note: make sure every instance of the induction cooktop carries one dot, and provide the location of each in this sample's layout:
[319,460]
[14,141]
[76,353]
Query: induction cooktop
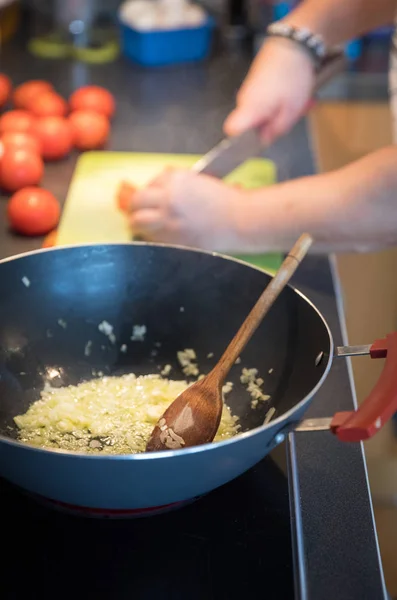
[233,543]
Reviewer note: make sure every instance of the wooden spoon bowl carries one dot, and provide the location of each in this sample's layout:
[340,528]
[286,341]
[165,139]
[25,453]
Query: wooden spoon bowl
[194,416]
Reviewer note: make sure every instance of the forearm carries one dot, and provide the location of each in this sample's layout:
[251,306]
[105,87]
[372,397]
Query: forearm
[339,21]
[352,209]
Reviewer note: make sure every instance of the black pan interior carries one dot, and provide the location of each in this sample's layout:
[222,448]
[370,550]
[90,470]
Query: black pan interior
[51,304]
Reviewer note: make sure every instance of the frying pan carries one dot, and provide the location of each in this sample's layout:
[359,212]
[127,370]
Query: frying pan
[51,303]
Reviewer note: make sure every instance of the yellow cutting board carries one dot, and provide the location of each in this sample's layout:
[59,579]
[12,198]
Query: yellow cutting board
[90,214]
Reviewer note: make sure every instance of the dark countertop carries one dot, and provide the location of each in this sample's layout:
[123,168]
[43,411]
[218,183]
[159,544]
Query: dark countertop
[181,110]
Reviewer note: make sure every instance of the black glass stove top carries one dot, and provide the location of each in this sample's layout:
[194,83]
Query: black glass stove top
[230,544]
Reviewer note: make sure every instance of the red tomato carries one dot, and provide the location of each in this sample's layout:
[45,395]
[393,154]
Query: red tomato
[16,139]
[33,211]
[48,104]
[50,240]
[93,97]
[90,130]
[20,168]
[24,93]
[55,135]
[17,120]
[5,89]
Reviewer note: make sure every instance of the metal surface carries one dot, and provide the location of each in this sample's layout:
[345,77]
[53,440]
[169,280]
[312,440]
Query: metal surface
[229,154]
[334,541]
[346,352]
[322,424]
[353,350]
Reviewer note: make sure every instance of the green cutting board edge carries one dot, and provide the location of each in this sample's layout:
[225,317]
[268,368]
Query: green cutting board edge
[90,214]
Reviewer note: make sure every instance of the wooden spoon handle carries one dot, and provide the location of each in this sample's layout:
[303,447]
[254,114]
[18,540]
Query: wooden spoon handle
[264,303]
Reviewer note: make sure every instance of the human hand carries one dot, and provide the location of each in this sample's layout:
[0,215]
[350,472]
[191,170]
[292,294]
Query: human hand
[182,207]
[276,91]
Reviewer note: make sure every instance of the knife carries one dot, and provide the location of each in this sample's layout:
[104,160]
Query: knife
[233,151]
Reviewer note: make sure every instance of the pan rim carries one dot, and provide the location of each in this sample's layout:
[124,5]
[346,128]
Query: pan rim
[167,454]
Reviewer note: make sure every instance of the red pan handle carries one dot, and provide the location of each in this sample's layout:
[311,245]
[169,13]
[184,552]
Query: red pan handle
[379,406]
[379,348]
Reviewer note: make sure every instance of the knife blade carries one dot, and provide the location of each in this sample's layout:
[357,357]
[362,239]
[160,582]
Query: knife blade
[233,151]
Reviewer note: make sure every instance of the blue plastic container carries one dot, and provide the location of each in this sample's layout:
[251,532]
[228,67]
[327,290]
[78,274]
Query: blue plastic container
[282,8]
[353,49]
[166,47]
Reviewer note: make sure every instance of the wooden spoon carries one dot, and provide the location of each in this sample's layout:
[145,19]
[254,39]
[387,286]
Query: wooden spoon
[194,416]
